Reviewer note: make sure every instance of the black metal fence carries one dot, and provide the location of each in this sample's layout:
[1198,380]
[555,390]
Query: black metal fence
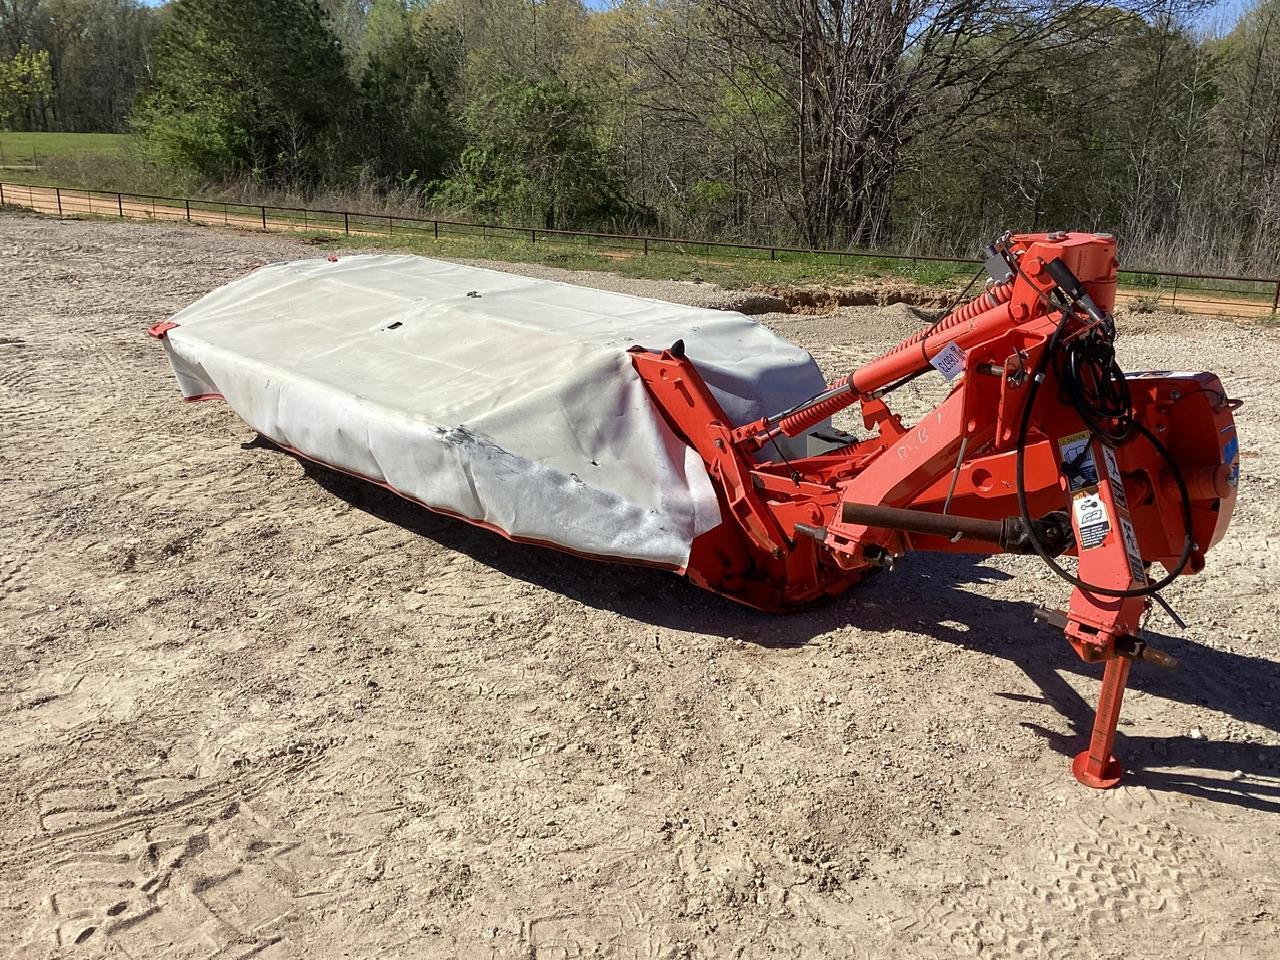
[1200,293]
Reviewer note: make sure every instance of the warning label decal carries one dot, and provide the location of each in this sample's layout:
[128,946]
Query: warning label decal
[1113,473]
[1093,523]
[1132,550]
[1078,465]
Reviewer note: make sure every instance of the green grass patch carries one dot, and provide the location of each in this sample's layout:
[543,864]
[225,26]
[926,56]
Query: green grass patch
[666,260]
[726,267]
[86,161]
[732,269]
[34,150]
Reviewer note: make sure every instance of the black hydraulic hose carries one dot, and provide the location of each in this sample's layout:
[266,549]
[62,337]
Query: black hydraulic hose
[1105,406]
[1024,510]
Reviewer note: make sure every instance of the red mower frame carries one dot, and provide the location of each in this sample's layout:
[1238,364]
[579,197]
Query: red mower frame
[1029,453]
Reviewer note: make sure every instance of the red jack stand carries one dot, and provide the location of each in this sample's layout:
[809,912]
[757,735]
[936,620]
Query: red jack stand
[1096,767]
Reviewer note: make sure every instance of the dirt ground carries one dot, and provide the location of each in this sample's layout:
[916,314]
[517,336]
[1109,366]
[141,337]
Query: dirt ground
[253,708]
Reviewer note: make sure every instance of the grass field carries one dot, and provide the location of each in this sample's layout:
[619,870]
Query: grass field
[28,151]
[626,256]
[665,259]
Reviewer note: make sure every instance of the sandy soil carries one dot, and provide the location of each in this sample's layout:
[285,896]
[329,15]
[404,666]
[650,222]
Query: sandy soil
[252,708]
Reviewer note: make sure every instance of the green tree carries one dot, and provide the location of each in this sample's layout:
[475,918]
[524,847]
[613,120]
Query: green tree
[254,88]
[407,133]
[98,51]
[532,156]
[1247,135]
[25,85]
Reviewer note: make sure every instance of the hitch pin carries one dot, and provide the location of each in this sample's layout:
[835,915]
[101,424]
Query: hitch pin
[1137,649]
[1126,646]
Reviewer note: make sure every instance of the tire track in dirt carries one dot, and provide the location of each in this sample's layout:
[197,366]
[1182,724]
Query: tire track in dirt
[165,865]
[1129,869]
[1107,873]
[453,593]
[23,408]
[93,811]
[19,553]
[988,917]
[168,472]
[98,356]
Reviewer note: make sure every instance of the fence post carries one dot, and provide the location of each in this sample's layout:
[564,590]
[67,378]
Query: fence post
[264,217]
[1275,301]
[435,225]
[1,194]
[773,253]
[120,204]
[188,203]
[646,246]
[533,236]
[391,227]
[57,192]
[346,223]
[225,218]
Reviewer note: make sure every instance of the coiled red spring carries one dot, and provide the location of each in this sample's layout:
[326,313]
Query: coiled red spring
[892,366]
[802,420]
[998,294]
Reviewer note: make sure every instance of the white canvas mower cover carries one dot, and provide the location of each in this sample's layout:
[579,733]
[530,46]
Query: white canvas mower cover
[505,400]
[561,415]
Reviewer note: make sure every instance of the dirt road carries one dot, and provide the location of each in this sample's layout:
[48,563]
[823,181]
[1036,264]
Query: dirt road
[252,708]
[77,202]
[73,202]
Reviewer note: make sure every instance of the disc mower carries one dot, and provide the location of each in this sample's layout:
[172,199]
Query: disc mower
[1119,482]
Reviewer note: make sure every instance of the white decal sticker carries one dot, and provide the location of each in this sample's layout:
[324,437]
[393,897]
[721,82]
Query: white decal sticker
[1133,550]
[1078,465]
[1092,520]
[949,361]
[1117,485]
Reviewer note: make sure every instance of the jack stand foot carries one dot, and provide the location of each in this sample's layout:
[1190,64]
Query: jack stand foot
[1103,779]
[1096,767]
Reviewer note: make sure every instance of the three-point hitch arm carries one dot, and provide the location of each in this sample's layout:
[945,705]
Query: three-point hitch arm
[1044,446]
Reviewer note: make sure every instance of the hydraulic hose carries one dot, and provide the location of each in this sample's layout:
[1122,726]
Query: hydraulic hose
[1024,510]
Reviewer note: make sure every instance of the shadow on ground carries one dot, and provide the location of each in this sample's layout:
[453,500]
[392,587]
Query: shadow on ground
[927,596]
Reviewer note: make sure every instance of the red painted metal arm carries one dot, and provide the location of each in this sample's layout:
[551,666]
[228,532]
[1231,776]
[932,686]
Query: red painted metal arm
[804,528]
